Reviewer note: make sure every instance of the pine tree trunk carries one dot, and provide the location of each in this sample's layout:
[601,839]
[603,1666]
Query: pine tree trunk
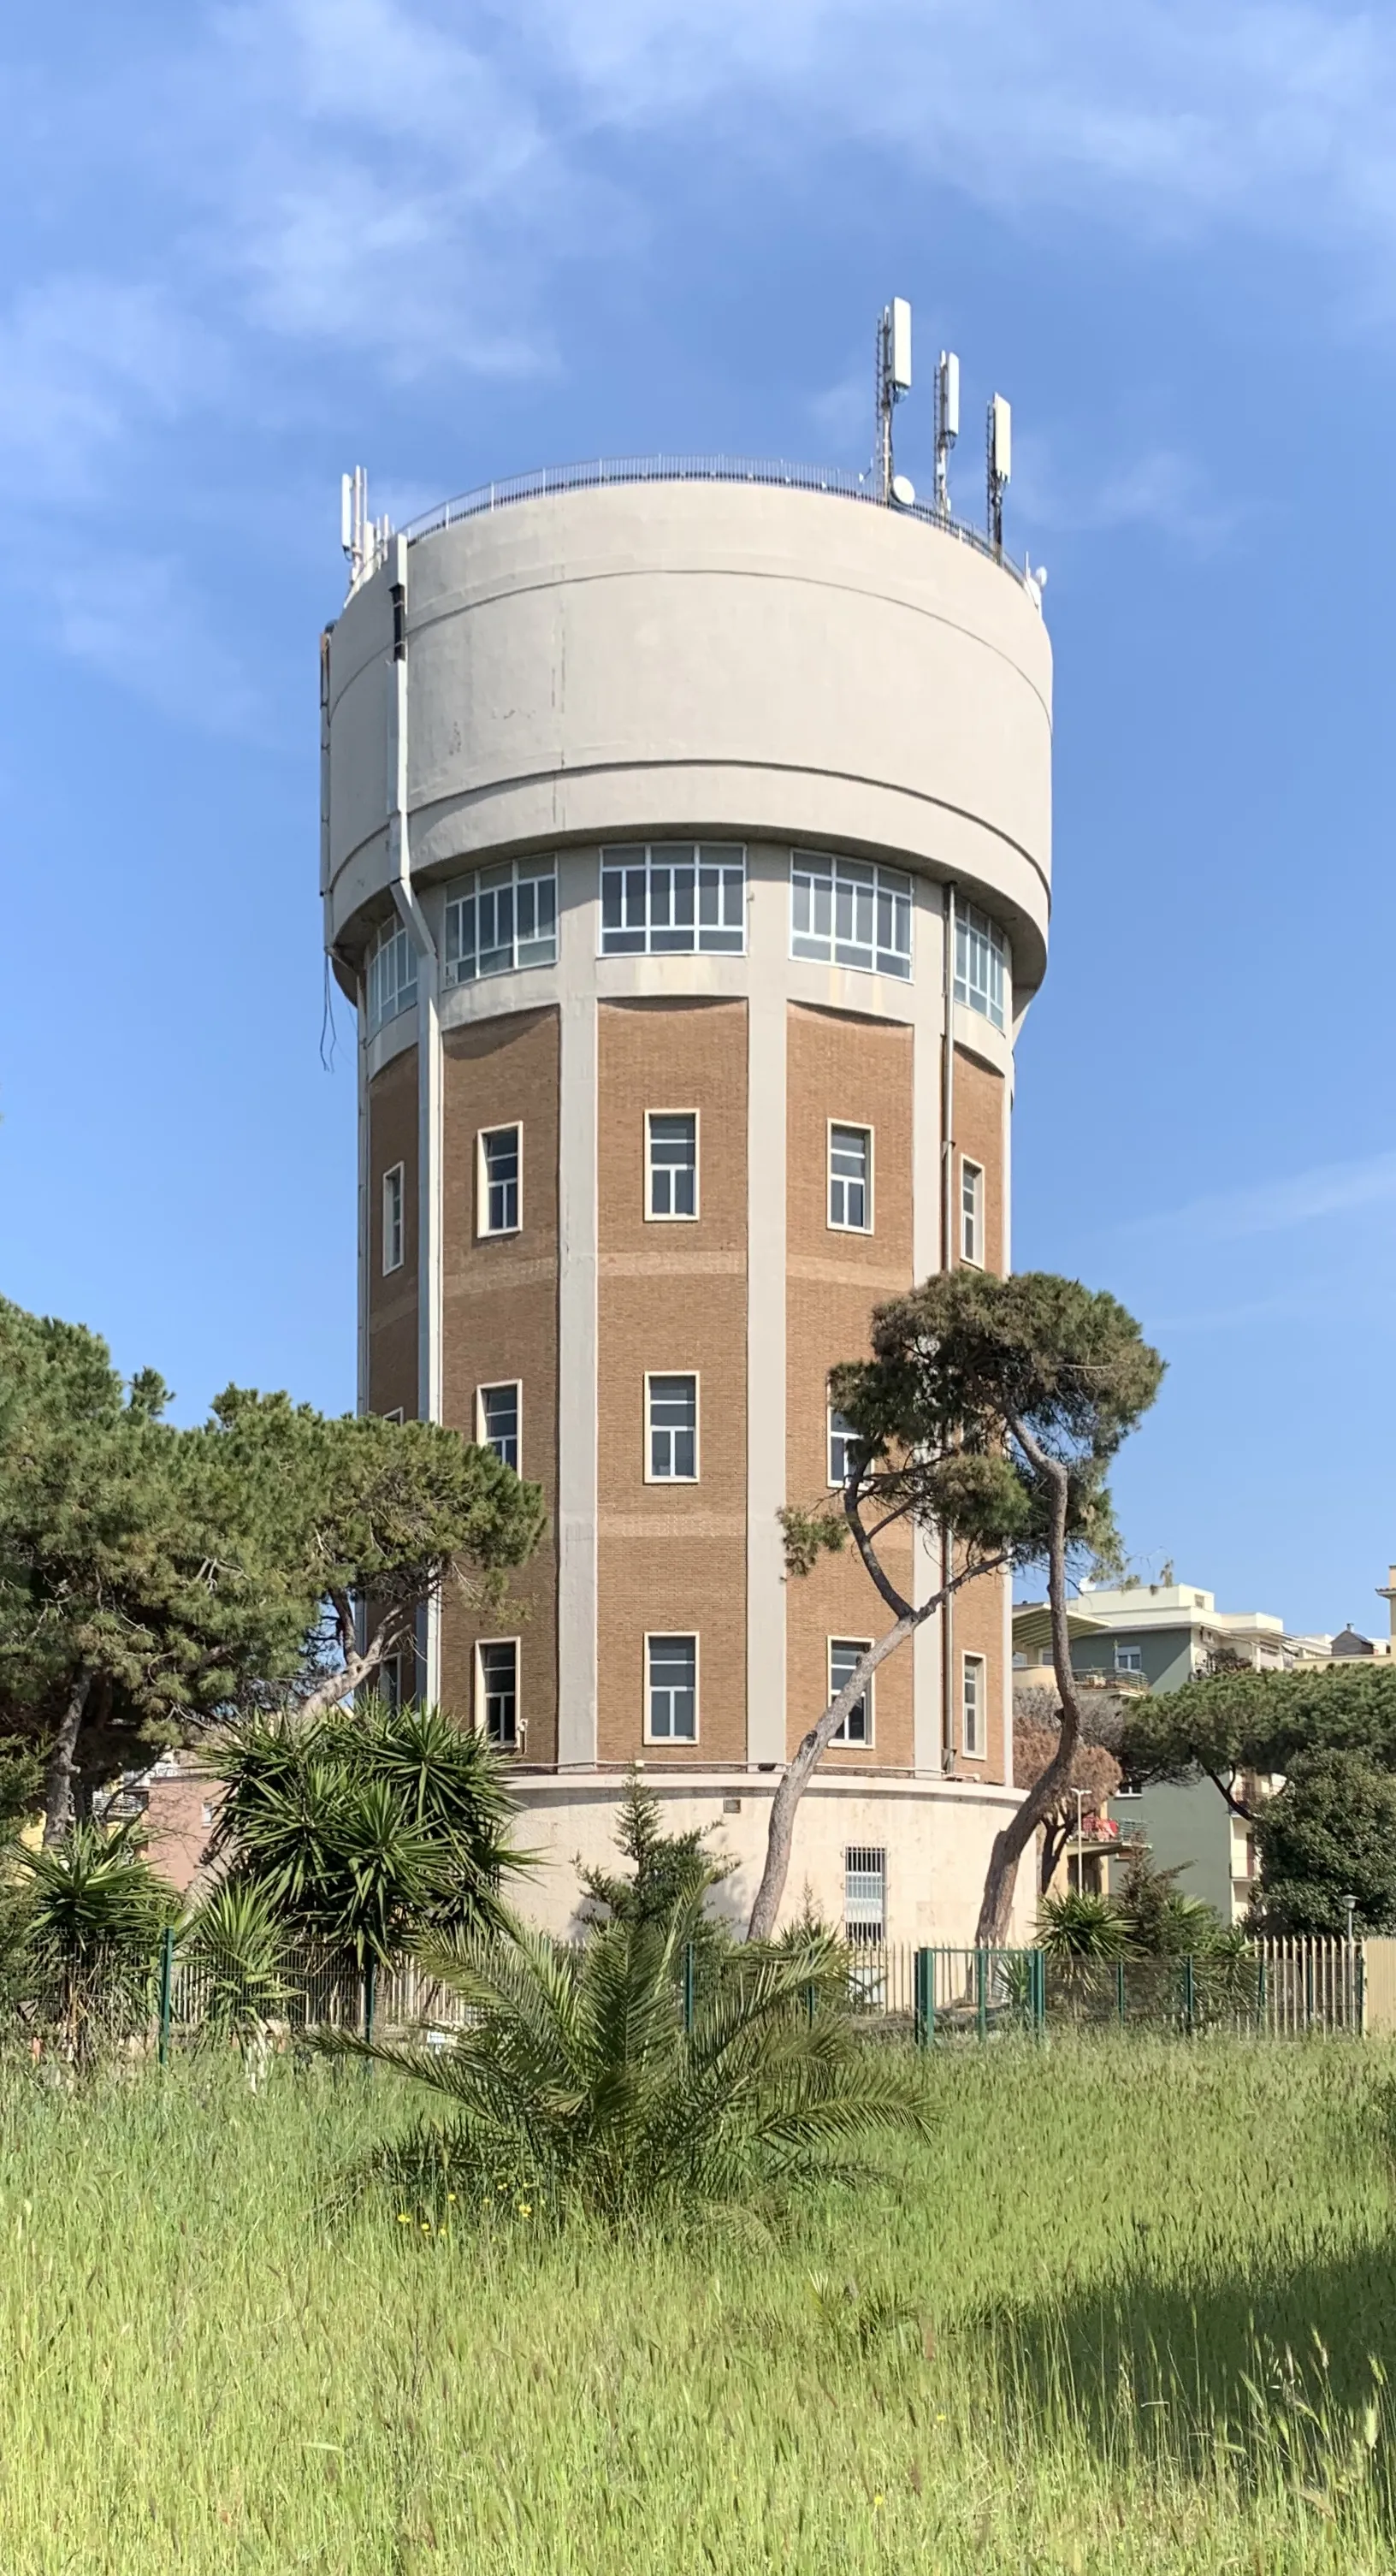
[61,1768]
[1009,1846]
[780,1834]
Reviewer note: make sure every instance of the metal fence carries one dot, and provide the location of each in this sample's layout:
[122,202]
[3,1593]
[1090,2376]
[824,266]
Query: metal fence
[1272,1989]
[592,471]
[1275,1989]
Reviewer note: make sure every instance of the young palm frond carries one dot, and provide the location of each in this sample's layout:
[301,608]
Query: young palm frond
[576,2081]
[235,1943]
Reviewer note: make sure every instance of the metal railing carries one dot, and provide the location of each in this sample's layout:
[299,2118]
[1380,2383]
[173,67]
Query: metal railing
[834,479]
[1269,1989]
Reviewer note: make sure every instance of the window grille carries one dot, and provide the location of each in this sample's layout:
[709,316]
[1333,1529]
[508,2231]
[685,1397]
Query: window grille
[673,1689]
[392,976]
[982,964]
[502,918]
[668,898]
[844,1654]
[865,1895]
[847,913]
[499,1180]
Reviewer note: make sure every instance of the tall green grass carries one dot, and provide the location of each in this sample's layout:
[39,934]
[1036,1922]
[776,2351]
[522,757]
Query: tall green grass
[1074,2333]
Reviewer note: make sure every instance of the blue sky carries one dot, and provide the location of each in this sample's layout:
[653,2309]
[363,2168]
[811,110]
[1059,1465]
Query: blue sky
[249,245]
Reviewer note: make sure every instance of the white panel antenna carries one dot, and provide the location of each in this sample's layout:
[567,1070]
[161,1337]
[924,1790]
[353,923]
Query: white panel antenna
[947,424]
[999,462]
[893,380]
[901,345]
[353,523]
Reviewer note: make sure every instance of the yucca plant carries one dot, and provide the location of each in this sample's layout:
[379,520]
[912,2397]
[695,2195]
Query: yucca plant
[367,1828]
[1079,1926]
[95,1913]
[576,2084]
[235,1943]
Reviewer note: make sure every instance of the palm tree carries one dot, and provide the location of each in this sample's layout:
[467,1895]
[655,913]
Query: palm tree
[95,1912]
[575,2082]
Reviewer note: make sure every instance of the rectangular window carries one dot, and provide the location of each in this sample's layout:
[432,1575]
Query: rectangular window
[850,1179]
[497,1691]
[846,913]
[668,898]
[672,1406]
[497,1420]
[1129,1659]
[842,1439]
[671,1684]
[499,1180]
[972,1705]
[982,965]
[392,976]
[843,1657]
[392,1219]
[501,918]
[671,1144]
[390,1681]
[865,1896]
[972,1212]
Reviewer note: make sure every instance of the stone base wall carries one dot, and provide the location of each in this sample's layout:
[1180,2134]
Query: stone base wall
[936,1834]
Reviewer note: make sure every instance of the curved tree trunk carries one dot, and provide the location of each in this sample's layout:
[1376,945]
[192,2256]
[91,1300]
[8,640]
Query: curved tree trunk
[1010,1845]
[781,1832]
[61,1768]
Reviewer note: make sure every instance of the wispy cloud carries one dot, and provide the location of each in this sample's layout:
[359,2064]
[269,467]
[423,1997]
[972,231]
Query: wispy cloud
[266,185]
[1155,487]
[1280,1206]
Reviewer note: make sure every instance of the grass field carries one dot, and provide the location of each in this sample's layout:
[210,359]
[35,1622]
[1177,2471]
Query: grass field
[1054,2339]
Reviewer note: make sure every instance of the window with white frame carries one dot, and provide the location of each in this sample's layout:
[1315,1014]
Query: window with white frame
[497,1410]
[500,1158]
[972,1212]
[671,1690]
[666,898]
[392,1219]
[847,913]
[671,1154]
[392,1413]
[865,1895]
[843,1440]
[844,1654]
[982,964]
[501,918]
[392,976]
[672,1431]
[497,1691]
[973,1692]
[850,1179]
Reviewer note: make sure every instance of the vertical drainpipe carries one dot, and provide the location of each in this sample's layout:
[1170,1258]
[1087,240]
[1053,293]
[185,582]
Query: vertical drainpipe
[947,1263]
[428,1081]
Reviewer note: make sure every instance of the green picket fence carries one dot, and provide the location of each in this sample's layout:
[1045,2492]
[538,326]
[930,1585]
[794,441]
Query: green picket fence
[1275,1989]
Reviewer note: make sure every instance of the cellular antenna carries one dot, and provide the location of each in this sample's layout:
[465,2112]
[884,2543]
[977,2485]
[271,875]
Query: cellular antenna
[999,460]
[353,522]
[893,380]
[947,424]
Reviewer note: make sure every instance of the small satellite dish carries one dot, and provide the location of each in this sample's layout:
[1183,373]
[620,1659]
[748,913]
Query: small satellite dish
[903,491]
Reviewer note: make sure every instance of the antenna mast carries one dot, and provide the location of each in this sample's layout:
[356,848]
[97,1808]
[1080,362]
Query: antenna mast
[999,465]
[947,425]
[893,380]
